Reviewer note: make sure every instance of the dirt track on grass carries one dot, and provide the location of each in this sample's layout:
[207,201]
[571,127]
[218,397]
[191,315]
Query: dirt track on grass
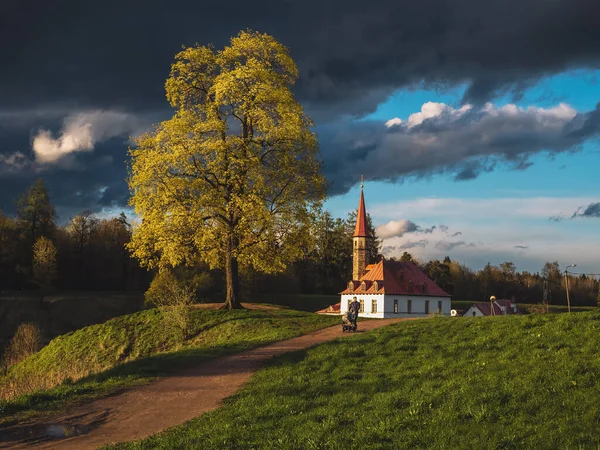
[172,400]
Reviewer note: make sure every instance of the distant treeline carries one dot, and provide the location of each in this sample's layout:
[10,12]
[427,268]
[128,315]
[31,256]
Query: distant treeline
[87,253]
[90,254]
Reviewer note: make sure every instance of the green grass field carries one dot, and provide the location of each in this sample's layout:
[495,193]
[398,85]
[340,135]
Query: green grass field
[103,359]
[469,383]
[523,307]
[300,302]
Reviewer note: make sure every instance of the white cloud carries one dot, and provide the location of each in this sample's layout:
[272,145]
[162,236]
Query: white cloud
[492,209]
[393,122]
[462,142]
[431,110]
[491,230]
[81,132]
[396,228]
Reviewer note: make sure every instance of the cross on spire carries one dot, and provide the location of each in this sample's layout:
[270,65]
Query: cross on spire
[362,181]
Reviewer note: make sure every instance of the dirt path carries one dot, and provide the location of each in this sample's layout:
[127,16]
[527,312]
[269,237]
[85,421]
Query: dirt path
[145,410]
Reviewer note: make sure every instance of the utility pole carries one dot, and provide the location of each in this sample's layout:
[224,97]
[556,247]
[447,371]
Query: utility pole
[567,285]
[545,301]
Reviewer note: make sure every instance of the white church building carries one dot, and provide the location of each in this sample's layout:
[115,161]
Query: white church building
[389,288]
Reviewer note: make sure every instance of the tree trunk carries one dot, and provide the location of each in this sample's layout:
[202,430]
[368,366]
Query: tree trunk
[232,278]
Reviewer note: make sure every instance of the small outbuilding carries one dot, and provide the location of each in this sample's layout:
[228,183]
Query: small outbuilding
[499,308]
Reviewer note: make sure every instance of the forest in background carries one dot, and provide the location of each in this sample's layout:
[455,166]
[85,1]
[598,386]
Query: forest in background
[89,253]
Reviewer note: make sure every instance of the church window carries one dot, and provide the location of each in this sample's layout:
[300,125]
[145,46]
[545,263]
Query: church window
[362,306]
[473,313]
[396,306]
[374,306]
[426,306]
[409,306]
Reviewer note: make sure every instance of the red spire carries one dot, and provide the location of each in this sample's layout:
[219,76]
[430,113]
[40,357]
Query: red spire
[361,218]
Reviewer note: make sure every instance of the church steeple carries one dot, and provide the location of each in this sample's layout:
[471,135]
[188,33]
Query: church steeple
[361,217]
[359,254]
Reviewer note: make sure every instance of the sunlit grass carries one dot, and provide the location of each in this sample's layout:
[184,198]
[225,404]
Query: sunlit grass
[505,382]
[128,350]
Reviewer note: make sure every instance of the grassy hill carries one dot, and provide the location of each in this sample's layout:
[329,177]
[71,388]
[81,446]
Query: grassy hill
[127,350]
[300,302]
[505,382]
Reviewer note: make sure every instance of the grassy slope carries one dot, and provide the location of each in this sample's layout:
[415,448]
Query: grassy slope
[466,304]
[300,302]
[506,382]
[132,349]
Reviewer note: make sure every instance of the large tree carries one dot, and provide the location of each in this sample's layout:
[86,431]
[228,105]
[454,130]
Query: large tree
[233,178]
[36,213]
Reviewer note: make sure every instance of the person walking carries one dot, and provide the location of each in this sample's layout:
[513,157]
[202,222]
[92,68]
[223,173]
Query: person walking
[354,309]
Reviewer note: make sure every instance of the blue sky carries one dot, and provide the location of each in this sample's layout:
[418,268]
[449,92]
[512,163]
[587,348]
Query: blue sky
[552,186]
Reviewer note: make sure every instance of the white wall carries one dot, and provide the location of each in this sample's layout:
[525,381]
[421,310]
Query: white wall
[385,305]
[368,299]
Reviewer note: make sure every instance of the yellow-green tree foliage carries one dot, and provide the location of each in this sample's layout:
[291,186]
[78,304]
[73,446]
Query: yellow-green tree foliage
[233,178]
[44,262]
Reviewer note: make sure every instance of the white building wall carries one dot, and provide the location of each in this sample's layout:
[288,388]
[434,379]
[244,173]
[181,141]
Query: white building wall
[385,305]
[368,304]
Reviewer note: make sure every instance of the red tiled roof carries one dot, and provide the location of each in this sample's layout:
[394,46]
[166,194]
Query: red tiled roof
[397,278]
[484,307]
[332,309]
[361,218]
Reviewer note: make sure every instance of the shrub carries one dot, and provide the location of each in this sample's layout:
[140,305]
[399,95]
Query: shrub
[173,299]
[26,341]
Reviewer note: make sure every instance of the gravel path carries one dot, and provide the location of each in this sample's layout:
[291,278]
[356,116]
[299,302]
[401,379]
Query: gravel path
[172,400]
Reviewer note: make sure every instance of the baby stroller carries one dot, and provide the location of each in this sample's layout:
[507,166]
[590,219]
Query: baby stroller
[348,322]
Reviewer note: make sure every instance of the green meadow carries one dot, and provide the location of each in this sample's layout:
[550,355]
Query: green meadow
[103,359]
[469,383]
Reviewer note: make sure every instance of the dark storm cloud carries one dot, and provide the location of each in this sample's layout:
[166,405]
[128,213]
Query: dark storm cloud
[350,53]
[68,56]
[414,244]
[592,210]
[447,246]
[461,142]
[95,182]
